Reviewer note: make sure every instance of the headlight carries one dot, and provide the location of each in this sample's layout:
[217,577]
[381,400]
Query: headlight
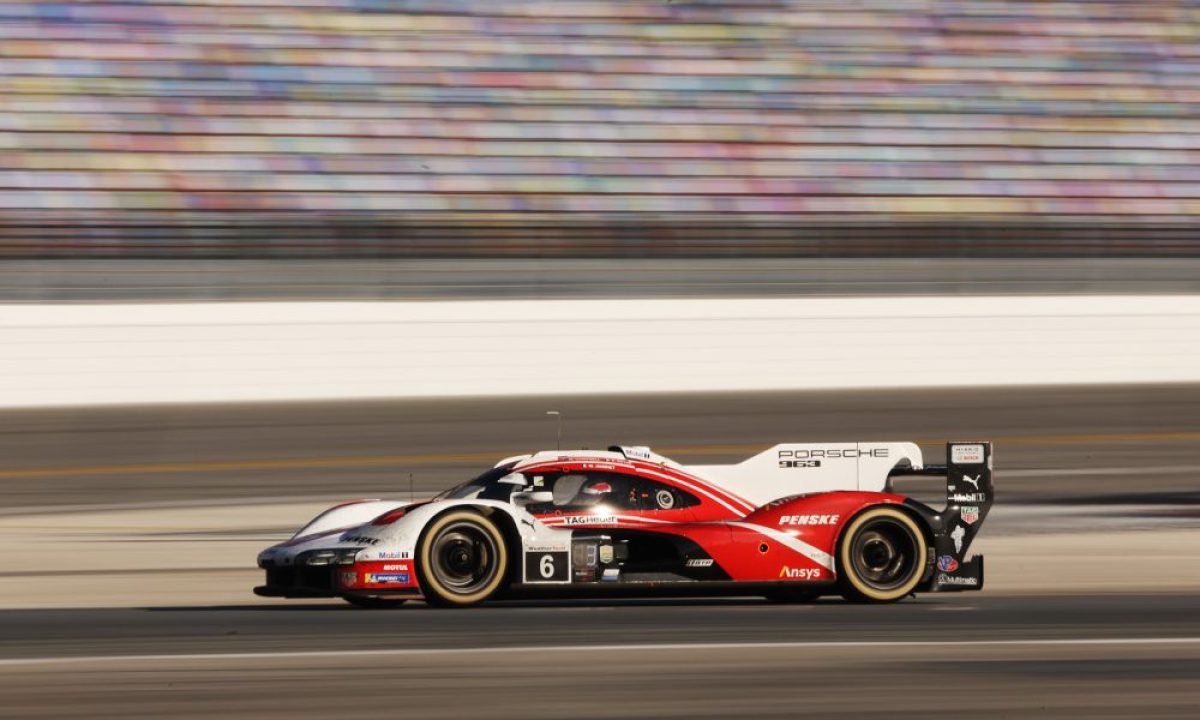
[332,557]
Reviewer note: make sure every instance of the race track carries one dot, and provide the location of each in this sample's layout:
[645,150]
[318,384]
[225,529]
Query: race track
[1125,656]
[1110,468]
[1107,444]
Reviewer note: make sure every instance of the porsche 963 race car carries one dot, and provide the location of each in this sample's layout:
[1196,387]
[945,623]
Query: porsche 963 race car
[791,523]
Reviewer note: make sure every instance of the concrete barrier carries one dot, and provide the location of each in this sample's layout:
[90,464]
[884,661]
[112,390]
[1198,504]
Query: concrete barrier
[55,355]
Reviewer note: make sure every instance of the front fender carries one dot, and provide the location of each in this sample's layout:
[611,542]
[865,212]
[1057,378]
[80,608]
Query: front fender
[404,533]
[347,515]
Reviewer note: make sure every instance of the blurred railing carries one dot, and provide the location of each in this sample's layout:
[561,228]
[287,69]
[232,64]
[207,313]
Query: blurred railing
[437,127]
[319,235]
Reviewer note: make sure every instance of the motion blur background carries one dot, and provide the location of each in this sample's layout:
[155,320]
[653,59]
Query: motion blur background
[253,255]
[439,127]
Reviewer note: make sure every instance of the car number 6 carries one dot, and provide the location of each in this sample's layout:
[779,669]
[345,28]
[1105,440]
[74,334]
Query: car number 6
[546,566]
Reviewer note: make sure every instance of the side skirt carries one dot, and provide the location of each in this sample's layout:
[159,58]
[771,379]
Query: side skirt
[663,589]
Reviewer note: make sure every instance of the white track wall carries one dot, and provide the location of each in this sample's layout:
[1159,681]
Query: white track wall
[117,354]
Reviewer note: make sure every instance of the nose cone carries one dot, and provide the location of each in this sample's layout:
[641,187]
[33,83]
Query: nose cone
[266,558]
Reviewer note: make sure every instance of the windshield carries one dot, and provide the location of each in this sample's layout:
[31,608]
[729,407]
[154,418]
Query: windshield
[483,487]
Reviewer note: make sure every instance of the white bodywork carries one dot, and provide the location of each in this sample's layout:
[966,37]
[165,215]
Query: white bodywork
[347,515]
[398,540]
[760,479]
[795,468]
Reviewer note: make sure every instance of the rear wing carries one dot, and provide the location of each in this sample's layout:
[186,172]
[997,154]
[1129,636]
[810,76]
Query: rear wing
[969,497]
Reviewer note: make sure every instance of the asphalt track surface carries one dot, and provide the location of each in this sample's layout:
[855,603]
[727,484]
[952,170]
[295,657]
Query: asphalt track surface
[457,279]
[970,654]
[1102,445]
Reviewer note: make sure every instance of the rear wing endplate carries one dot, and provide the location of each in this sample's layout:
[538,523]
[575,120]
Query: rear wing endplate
[969,497]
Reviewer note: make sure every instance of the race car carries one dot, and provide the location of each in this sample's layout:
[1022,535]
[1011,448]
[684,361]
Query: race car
[792,523]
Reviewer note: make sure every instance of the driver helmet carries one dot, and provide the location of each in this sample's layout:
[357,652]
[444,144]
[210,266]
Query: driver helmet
[595,492]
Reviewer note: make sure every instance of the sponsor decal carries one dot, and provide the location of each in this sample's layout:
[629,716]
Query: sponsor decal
[944,579]
[359,539]
[590,519]
[393,555]
[968,497]
[831,453]
[538,481]
[799,463]
[809,519]
[396,567]
[973,481]
[606,554]
[700,562]
[792,573]
[969,514]
[349,578]
[957,537]
[665,499]
[611,575]
[966,454]
[637,451]
[544,548]
[947,564]
[386,578]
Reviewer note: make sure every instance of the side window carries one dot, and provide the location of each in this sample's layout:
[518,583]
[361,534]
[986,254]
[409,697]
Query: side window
[573,492]
[579,492]
[645,494]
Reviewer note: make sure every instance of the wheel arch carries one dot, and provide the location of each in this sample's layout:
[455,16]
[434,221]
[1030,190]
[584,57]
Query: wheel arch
[924,522]
[504,521]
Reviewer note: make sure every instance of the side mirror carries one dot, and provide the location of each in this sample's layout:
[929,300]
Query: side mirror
[522,498]
[513,479]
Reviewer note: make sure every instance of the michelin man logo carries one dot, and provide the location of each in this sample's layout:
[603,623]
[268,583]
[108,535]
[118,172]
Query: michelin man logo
[957,536]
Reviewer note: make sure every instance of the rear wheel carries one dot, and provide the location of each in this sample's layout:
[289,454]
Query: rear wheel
[463,560]
[882,556]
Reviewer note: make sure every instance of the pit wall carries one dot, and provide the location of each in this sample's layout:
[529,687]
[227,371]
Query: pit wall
[58,355]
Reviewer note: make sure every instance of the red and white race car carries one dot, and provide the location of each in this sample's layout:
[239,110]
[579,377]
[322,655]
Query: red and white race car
[791,523]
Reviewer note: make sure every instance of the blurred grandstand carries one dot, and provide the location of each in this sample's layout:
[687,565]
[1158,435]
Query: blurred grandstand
[436,127]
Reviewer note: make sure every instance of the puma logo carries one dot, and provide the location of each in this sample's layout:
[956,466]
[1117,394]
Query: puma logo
[973,480]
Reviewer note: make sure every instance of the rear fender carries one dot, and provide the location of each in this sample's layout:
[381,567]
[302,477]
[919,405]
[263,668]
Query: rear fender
[800,535]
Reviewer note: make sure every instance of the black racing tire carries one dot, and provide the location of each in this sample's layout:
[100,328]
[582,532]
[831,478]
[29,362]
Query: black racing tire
[881,556]
[461,560]
[373,602]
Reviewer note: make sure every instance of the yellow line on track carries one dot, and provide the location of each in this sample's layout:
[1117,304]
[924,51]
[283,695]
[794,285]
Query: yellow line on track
[484,457]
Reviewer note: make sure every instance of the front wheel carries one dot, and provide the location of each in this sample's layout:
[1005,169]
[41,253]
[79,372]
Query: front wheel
[462,560]
[882,556]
